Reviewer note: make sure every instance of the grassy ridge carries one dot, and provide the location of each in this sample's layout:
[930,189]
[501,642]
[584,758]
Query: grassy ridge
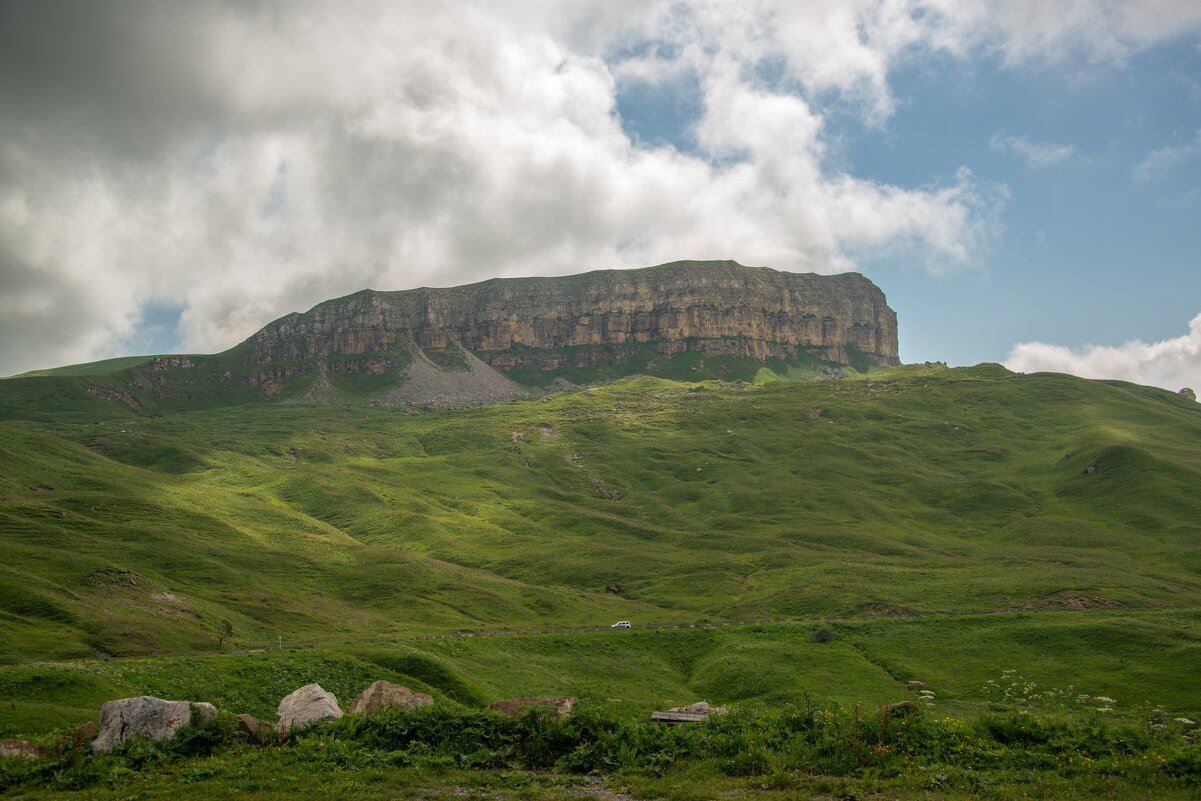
[949,515]
[908,492]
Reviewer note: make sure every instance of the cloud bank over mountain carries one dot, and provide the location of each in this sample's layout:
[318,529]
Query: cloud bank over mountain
[1171,364]
[219,164]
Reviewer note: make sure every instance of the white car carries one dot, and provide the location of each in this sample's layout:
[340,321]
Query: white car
[621,624]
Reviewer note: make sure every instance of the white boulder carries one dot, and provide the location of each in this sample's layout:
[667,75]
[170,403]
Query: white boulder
[146,716]
[310,704]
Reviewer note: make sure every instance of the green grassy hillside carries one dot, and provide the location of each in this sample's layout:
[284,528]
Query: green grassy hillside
[948,524]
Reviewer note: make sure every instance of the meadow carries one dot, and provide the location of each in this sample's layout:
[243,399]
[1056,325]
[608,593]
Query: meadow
[1008,544]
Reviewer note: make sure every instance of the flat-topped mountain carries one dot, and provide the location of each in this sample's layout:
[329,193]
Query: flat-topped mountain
[536,328]
[720,308]
[499,339]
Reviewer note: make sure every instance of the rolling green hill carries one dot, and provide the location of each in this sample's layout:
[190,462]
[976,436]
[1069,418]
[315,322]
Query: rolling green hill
[949,523]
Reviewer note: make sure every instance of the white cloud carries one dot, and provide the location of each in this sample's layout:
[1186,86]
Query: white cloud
[1171,363]
[1035,154]
[1158,162]
[1098,32]
[239,161]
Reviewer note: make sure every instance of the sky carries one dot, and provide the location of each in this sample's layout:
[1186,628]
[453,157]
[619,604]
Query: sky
[1021,178]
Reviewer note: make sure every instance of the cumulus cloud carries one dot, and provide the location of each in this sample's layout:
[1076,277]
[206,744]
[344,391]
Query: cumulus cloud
[237,161]
[1159,161]
[1035,154]
[1098,32]
[1171,363]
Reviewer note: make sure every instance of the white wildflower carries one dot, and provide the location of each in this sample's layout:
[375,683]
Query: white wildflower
[1186,721]
[1103,700]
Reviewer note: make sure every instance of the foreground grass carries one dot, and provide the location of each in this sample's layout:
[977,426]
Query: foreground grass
[1052,663]
[799,751]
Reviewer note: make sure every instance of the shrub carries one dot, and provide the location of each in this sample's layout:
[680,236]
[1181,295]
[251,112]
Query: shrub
[823,634]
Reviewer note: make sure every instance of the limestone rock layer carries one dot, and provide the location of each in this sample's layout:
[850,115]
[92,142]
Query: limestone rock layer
[718,308]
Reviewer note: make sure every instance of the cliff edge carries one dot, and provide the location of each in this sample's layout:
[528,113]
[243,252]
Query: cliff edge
[530,326]
[500,339]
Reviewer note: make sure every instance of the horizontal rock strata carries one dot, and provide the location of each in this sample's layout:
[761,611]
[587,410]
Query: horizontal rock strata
[597,318]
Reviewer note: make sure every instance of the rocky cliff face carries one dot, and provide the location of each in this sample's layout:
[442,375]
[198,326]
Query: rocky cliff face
[597,318]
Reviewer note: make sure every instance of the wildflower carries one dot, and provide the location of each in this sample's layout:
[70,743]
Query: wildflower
[1186,721]
[1105,709]
[1103,700]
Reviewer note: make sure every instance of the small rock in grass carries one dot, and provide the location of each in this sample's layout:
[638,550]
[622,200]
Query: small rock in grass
[562,705]
[252,727]
[386,695]
[901,709]
[700,708]
[27,750]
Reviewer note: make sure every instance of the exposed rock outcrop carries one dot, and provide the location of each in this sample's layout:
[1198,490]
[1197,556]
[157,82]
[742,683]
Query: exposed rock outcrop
[383,695]
[149,717]
[505,338]
[598,318]
[310,704]
[1187,393]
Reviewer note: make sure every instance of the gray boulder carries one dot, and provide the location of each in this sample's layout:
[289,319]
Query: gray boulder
[148,717]
[386,695]
[310,704]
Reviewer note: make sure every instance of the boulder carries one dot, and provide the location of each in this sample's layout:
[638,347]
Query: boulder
[26,750]
[699,712]
[309,704]
[1187,393]
[148,717]
[900,709]
[700,708]
[252,727]
[561,705]
[386,695]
